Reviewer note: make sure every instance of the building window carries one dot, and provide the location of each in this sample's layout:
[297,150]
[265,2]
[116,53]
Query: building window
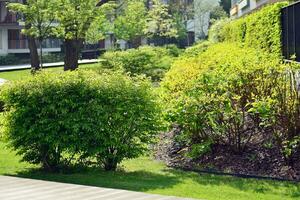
[16,40]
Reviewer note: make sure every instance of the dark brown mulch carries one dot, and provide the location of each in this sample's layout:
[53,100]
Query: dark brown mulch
[255,161]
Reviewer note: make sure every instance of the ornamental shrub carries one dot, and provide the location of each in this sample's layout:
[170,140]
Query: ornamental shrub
[215,31]
[261,29]
[197,49]
[151,61]
[234,95]
[210,96]
[279,109]
[80,117]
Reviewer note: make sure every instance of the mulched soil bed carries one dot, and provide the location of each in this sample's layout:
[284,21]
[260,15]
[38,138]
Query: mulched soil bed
[255,161]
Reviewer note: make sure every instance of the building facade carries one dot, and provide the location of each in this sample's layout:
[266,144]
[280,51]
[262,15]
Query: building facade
[11,38]
[243,7]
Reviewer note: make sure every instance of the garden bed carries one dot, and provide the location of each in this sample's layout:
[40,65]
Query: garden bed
[255,161]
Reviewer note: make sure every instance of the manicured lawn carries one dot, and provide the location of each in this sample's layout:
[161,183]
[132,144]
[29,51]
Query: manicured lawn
[146,175]
[21,74]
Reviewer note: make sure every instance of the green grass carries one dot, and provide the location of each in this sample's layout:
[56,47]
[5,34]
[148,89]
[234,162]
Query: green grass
[146,175]
[21,74]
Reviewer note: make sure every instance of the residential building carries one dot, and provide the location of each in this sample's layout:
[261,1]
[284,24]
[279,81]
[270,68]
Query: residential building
[11,38]
[242,7]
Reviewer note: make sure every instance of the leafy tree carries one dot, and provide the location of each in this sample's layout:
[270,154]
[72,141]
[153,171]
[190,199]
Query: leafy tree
[39,14]
[182,11]
[131,22]
[99,27]
[218,13]
[159,22]
[203,9]
[75,18]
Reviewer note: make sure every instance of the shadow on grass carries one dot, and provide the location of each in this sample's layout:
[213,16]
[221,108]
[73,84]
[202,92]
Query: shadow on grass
[141,181]
[144,181]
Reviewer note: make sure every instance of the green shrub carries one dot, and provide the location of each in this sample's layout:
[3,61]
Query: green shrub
[215,32]
[52,57]
[235,31]
[9,59]
[174,51]
[151,61]
[80,117]
[196,49]
[279,108]
[210,96]
[261,29]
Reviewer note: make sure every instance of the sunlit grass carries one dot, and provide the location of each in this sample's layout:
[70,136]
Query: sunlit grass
[145,175]
[21,74]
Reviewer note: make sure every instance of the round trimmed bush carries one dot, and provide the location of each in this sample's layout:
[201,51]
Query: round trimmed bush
[80,117]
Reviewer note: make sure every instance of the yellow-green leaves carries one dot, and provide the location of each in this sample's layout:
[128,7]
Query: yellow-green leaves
[77,117]
[261,29]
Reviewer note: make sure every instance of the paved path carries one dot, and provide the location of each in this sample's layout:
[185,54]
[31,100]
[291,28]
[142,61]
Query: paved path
[12,188]
[46,65]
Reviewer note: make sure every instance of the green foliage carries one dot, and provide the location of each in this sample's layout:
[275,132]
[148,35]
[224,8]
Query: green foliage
[229,94]
[52,57]
[173,50]
[131,23]
[197,49]
[200,149]
[218,13]
[80,117]
[159,22]
[261,29]
[9,59]
[279,110]
[40,15]
[235,31]
[75,17]
[215,31]
[151,61]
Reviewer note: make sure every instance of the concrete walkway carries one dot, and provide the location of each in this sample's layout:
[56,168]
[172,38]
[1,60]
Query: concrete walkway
[45,65]
[12,188]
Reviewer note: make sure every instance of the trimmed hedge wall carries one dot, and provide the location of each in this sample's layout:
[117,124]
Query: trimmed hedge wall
[261,29]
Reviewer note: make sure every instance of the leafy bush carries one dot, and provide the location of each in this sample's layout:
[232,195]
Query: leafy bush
[52,57]
[9,59]
[197,49]
[80,117]
[229,94]
[151,61]
[173,50]
[279,108]
[215,31]
[261,29]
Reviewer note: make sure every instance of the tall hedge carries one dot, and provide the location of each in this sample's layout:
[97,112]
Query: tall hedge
[261,29]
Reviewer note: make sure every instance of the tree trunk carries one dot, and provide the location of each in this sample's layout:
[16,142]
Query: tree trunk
[72,50]
[34,57]
[110,164]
